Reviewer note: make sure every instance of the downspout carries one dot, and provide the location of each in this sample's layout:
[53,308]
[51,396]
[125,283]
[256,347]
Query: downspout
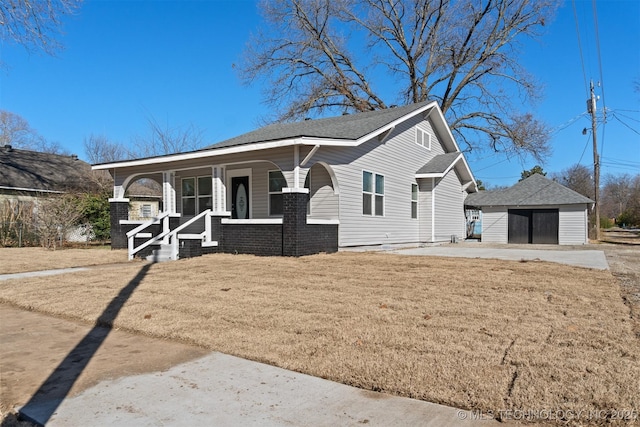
[433,209]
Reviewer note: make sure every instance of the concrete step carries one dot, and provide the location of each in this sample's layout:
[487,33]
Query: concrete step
[160,255]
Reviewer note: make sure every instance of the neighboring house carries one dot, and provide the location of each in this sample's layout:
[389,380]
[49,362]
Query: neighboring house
[386,177]
[535,210]
[144,207]
[28,176]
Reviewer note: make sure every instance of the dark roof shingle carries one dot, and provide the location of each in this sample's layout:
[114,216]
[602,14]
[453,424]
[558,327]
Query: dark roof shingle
[535,190]
[34,170]
[347,127]
[440,163]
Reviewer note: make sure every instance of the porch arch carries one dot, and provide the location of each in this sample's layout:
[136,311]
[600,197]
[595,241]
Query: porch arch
[323,192]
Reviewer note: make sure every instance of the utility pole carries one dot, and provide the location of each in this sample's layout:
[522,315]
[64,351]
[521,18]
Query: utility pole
[591,108]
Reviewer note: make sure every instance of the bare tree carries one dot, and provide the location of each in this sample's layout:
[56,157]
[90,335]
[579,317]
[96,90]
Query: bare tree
[55,217]
[319,55]
[16,131]
[579,178]
[165,139]
[618,193]
[99,149]
[35,24]
[160,140]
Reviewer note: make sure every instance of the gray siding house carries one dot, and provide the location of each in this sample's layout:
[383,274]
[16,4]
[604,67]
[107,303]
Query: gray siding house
[387,177]
[535,210]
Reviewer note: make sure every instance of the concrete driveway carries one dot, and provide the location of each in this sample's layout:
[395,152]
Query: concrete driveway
[581,257]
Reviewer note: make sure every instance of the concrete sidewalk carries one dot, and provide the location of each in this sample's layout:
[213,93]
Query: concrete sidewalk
[587,258]
[138,380]
[223,390]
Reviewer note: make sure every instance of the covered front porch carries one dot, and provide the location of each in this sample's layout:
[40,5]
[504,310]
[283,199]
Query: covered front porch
[279,205]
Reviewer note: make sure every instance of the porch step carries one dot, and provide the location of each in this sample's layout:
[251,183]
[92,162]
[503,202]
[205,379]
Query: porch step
[160,255]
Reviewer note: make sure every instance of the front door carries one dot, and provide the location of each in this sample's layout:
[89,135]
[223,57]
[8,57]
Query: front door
[240,197]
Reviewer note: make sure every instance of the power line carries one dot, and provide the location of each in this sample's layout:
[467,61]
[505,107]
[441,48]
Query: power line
[621,161]
[604,104]
[568,123]
[615,116]
[584,73]
[595,21]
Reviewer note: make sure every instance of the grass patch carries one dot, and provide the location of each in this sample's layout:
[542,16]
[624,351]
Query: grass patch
[20,260]
[489,335]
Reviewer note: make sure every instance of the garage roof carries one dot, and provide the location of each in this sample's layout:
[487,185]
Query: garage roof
[535,190]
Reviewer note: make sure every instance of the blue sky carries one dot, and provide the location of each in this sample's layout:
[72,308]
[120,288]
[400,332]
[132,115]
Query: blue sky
[126,61]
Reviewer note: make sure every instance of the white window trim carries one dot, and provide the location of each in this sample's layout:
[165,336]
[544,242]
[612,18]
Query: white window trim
[197,194]
[373,194]
[269,193]
[415,201]
[420,138]
[233,173]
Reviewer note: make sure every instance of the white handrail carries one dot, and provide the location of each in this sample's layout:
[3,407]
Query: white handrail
[167,235]
[173,235]
[164,217]
[154,220]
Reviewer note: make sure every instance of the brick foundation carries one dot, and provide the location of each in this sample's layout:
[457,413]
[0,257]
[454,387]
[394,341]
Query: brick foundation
[294,237]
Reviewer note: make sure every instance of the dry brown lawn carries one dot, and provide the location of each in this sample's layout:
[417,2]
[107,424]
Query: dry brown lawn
[19,260]
[488,335]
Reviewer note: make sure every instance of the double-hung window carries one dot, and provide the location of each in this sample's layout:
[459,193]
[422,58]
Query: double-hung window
[423,138]
[372,194]
[196,194]
[414,201]
[276,184]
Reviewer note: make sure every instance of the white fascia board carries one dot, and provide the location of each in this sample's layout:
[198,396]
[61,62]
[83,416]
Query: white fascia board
[429,175]
[213,152]
[470,176]
[453,164]
[443,125]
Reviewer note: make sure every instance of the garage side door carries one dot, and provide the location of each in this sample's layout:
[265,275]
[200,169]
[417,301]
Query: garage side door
[545,226]
[519,225]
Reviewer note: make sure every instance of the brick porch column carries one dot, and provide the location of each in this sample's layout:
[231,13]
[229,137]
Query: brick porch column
[294,220]
[119,209]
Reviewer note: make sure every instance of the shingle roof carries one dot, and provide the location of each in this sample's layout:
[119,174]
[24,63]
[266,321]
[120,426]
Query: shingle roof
[439,164]
[24,169]
[348,127]
[535,190]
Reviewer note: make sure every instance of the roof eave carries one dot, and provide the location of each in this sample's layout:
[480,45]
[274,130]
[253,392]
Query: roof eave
[214,152]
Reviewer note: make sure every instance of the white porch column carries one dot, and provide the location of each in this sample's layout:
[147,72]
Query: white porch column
[118,192]
[219,190]
[169,191]
[296,167]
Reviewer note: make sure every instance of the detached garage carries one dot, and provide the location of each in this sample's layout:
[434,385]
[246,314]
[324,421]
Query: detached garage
[535,210]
